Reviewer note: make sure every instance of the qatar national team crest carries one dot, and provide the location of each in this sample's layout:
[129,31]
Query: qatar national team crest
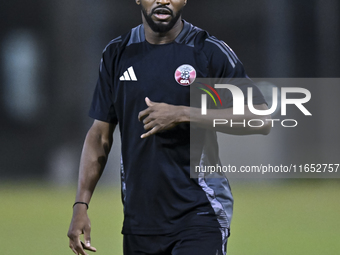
[185,75]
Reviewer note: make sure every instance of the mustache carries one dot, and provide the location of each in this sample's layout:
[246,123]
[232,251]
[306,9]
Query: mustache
[162,7]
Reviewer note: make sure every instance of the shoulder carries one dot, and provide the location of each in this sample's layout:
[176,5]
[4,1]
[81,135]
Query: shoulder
[222,60]
[219,50]
[116,46]
[135,35]
[191,35]
[208,44]
[113,44]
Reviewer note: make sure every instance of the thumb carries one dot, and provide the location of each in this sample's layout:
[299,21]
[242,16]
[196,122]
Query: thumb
[87,237]
[148,102]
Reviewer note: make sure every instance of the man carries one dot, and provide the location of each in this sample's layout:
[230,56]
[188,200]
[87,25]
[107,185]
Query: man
[144,87]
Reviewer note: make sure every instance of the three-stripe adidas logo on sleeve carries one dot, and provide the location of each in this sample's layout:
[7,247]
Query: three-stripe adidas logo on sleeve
[129,75]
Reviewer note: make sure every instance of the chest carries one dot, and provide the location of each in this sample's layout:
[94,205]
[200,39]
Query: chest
[163,73]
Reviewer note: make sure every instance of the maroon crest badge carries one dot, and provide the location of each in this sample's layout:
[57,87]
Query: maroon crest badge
[185,75]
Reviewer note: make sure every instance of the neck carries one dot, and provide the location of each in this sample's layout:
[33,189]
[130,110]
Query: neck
[162,38]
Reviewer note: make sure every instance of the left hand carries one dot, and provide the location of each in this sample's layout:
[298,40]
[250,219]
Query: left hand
[158,117]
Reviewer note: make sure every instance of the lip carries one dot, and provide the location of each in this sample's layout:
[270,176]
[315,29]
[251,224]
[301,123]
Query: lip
[162,16]
[162,13]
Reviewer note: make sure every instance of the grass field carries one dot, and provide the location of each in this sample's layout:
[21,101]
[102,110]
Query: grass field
[290,217]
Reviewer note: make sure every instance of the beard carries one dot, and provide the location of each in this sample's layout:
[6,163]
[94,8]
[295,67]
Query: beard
[161,28]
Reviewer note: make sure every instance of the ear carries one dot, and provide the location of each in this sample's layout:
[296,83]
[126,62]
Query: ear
[138,2]
[185,2]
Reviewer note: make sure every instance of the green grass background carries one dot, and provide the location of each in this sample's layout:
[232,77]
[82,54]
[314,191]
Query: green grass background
[287,217]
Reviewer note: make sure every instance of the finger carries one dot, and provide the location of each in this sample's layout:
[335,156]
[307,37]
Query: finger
[149,102]
[149,125]
[143,113]
[72,248]
[87,237]
[75,244]
[147,120]
[87,246]
[151,132]
[78,247]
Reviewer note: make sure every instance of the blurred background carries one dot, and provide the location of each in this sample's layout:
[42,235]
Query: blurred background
[49,58]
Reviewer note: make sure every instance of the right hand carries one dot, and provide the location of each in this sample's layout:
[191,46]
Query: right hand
[80,224]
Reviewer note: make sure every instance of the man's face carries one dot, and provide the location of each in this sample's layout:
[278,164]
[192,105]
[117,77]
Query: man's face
[161,15]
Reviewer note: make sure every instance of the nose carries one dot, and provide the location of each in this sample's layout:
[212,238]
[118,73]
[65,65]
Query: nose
[163,2]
